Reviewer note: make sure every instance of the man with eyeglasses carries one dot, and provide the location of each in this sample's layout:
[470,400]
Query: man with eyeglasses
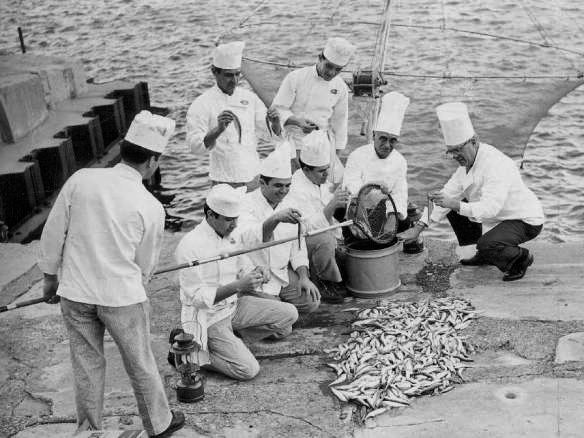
[226,121]
[485,201]
[379,162]
[220,297]
[316,97]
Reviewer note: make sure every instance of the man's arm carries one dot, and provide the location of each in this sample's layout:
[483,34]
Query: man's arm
[340,119]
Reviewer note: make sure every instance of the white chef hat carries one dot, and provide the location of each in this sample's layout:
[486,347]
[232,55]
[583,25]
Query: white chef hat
[226,200]
[317,149]
[228,56]
[455,123]
[150,131]
[391,114]
[338,51]
[277,164]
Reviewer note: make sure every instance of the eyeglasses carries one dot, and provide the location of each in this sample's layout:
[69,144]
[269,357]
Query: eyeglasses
[458,149]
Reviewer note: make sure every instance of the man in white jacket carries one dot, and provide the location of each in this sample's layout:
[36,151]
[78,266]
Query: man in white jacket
[226,121]
[486,190]
[379,162]
[314,197]
[219,297]
[264,219]
[98,248]
[316,97]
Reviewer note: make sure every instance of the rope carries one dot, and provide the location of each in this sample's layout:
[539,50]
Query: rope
[241,22]
[568,77]
[485,34]
[542,32]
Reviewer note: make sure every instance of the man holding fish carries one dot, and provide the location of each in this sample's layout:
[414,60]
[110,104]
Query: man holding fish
[226,121]
[485,200]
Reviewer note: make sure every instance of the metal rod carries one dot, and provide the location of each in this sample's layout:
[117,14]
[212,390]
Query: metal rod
[22,304]
[256,248]
[21,38]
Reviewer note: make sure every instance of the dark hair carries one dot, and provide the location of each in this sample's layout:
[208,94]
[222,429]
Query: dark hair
[206,209]
[216,70]
[134,154]
[303,165]
[265,179]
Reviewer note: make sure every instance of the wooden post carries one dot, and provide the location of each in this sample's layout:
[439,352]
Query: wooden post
[21,38]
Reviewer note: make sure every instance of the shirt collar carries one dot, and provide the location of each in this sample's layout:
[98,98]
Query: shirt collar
[128,171]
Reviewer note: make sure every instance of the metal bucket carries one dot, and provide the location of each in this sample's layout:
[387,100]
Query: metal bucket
[372,271]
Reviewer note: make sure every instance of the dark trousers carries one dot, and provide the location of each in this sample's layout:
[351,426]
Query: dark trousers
[498,246]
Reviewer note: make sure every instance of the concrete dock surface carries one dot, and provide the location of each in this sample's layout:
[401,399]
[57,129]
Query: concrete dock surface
[526,378]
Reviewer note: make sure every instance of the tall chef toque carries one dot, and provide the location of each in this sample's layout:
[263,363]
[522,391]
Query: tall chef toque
[455,123]
[317,149]
[338,51]
[277,164]
[225,200]
[391,114]
[228,56]
[150,131]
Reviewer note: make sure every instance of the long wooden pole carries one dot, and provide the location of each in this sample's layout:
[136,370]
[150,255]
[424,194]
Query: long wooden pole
[248,250]
[22,304]
[377,67]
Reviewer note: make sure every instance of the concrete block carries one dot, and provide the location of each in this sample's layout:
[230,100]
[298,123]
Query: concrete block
[570,348]
[21,191]
[22,105]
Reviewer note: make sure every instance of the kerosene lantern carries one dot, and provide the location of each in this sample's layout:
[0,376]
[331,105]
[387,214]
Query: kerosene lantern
[190,388]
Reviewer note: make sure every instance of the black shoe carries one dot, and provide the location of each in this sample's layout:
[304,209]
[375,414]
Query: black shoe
[173,333]
[475,260]
[332,293]
[519,268]
[177,422]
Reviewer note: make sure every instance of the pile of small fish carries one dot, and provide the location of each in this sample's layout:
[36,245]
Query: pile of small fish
[402,350]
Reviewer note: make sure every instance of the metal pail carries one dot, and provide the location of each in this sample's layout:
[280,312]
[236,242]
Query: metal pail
[372,271]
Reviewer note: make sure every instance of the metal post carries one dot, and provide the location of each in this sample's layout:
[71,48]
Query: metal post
[21,38]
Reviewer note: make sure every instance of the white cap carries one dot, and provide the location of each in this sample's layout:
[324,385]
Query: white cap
[391,114]
[228,56]
[150,131]
[455,123]
[226,200]
[338,51]
[317,149]
[277,164]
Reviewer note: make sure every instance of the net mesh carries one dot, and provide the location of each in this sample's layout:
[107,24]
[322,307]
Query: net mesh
[374,215]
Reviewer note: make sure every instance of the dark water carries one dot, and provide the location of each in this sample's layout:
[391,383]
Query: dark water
[168,44]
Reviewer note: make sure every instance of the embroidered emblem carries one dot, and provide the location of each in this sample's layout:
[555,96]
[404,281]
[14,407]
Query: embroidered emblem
[334,91]
[244,102]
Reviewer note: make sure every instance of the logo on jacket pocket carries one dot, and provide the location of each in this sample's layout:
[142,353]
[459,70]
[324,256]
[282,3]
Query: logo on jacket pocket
[244,102]
[334,91]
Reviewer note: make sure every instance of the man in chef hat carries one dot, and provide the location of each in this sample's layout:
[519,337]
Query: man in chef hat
[314,197]
[226,121]
[264,219]
[220,297]
[485,201]
[100,242]
[316,98]
[379,162]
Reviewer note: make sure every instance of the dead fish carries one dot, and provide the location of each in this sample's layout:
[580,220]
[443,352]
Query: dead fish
[236,122]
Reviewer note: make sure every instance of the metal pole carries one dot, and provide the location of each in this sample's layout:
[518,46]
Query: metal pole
[21,38]
[22,304]
[256,248]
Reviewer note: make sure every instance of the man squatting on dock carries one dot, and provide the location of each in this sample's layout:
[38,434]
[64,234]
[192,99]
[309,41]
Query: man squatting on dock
[99,246]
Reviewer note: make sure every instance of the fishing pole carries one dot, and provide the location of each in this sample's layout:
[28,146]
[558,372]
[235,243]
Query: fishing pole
[22,304]
[261,246]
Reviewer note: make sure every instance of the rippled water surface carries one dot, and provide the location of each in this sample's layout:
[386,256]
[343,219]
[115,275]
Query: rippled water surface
[168,44]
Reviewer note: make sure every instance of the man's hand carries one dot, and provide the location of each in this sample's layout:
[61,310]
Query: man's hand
[306,286]
[341,197]
[50,286]
[274,119]
[223,120]
[444,201]
[288,216]
[251,282]
[303,123]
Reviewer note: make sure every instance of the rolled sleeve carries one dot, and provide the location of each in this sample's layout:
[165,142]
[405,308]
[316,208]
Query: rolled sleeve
[149,250]
[400,191]
[352,179]
[298,256]
[194,291]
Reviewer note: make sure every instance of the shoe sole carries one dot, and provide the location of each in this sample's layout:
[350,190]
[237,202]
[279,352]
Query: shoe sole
[530,261]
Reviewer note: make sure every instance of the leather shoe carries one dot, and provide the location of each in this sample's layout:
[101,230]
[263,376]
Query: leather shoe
[519,268]
[177,422]
[475,260]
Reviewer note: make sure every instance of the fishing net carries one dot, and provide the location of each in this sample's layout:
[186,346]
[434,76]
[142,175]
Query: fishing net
[374,215]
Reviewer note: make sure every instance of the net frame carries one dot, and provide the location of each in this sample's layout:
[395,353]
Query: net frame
[385,230]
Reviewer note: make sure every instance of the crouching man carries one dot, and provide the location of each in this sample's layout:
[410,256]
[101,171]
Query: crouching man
[218,298]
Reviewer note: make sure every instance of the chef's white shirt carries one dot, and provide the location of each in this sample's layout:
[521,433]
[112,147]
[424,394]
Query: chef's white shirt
[494,190]
[230,160]
[103,234]
[364,166]
[256,211]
